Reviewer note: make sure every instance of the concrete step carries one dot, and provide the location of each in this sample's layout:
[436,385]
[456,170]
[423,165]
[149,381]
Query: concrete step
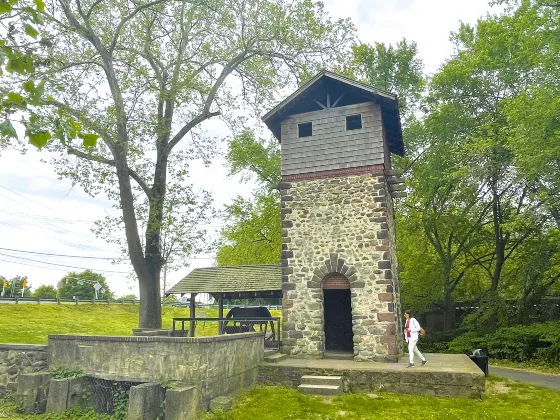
[338,355]
[321,380]
[320,389]
[270,352]
[274,358]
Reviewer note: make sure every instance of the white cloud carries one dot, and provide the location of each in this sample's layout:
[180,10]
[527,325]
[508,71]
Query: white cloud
[428,22]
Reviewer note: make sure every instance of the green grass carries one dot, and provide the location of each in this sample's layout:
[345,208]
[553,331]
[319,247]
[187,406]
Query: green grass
[503,400]
[32,323]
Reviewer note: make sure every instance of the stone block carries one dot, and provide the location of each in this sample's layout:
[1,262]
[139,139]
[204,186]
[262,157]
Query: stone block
[220,404]
[145,402]
[182,403]
[57,400]
[32,392]
[386,317]
[384,264]
[385,297]
[77,387]
[359,284]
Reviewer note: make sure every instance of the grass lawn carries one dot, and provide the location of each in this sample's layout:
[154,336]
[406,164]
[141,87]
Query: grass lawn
[32,323]
[503,400]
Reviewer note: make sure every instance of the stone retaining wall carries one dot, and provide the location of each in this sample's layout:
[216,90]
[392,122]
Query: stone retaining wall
[217,365]
[463,384]
[16,359]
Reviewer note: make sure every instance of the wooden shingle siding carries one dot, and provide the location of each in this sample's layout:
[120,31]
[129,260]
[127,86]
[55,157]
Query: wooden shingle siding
[332,146]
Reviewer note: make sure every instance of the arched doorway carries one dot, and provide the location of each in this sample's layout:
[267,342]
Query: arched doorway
[337,304]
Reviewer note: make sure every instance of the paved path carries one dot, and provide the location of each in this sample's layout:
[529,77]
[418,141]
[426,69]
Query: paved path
[547,381]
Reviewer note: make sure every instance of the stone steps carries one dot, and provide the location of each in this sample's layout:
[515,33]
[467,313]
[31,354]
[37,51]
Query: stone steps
[338,355]
[320,385]
[275,357]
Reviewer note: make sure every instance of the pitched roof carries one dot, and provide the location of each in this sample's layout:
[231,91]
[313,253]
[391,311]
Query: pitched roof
[228,279]
[303,100]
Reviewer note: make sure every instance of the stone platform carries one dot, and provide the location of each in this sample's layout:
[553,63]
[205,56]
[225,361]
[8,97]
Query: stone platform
[445,375]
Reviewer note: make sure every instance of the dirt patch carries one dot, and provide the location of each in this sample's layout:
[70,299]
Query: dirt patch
[497,387]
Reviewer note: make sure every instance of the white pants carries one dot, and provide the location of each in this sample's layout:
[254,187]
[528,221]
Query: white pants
[412,349]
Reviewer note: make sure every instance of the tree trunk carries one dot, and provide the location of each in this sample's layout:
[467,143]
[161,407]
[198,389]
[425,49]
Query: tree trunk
[499,241]
[448,312]
[148,275]
[150,302]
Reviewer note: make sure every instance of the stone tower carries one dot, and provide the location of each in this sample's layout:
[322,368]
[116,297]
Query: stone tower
[339,265]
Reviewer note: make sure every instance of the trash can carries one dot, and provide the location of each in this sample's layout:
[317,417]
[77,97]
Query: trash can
[481,360]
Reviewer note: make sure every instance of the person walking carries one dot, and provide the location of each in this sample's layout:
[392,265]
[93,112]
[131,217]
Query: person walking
[411,330]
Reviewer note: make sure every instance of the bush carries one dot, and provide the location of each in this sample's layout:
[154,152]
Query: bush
[438,342]
[537,343]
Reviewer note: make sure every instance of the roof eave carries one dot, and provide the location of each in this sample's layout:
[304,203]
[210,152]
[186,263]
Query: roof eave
[314,79]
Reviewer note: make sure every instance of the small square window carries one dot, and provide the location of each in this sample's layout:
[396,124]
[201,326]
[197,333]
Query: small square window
[354,122]
[305,129]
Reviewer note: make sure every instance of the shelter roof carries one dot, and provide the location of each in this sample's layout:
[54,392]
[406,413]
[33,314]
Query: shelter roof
[256,280]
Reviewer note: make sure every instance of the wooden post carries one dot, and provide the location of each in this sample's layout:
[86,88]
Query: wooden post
[192,314]
[220,313]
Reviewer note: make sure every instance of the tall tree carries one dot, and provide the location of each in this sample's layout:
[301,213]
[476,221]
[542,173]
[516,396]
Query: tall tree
[500,66]
[253,231]
[143,76]
[396,69]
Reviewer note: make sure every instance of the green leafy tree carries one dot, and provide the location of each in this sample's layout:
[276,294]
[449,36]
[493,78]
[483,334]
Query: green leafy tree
[253,231]
[45,292]
[396,69]
[80,286]
[479,174]
[140,78]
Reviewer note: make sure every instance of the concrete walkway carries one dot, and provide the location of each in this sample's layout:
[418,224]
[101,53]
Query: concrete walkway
[540,379]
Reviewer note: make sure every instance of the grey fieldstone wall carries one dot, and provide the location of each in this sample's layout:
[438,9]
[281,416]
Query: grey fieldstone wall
[339,225]
[16,359]
[217,365]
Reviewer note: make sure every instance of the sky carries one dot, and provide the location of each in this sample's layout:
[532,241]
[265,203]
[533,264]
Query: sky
[41,214]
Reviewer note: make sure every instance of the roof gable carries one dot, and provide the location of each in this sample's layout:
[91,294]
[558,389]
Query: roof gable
[329,90]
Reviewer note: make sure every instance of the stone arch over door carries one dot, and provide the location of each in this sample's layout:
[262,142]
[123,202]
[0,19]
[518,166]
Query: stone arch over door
[335,265]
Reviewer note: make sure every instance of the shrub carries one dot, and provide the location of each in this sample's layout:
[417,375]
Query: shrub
[538,343]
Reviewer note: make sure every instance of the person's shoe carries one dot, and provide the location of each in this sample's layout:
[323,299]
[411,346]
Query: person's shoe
[424,362]
[410,365]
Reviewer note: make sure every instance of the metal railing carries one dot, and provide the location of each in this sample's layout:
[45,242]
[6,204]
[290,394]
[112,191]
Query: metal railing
[270,326]
[39,300]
